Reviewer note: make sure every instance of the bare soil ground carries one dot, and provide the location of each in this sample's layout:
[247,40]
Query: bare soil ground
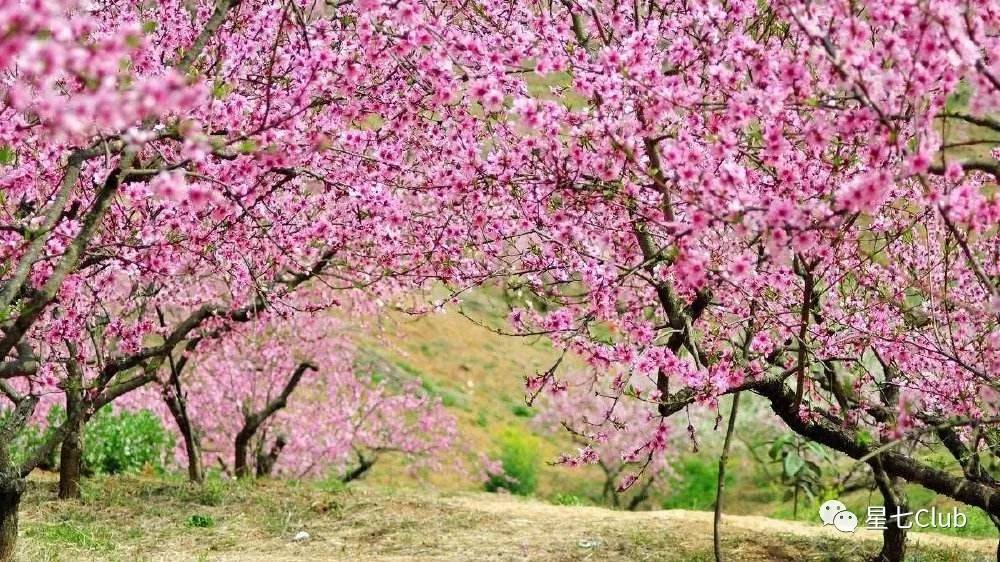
[155,520]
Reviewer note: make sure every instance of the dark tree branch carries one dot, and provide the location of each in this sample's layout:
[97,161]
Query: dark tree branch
[839,438]
[253,421]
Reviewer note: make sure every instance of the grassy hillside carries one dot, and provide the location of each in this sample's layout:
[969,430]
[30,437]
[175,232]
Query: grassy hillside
[479,376]
[149,519]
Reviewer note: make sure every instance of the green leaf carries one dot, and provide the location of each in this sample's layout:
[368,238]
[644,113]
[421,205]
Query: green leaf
[816,449]
[7,155]
[793,464]
[775,451]
[777,446]
[220,90]
[865,438]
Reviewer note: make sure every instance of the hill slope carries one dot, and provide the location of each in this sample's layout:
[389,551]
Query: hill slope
[480,377]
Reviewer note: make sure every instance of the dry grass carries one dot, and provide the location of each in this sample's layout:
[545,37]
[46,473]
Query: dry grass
[153,519]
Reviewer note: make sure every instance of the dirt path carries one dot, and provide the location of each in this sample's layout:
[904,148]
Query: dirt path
[489,527]
[696,526]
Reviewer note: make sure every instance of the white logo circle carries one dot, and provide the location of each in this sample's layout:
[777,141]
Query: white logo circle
[845,521]
[830,509]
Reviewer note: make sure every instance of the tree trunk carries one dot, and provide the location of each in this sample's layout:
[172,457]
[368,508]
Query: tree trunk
[891,487]
[242,447]
[70,465]
[642,495]
[893,543]
[253,421]
[178,411]
[71,454]
[894,535]
[12,482]
[364,464]
[196,472]
[266,461]
[610,490]
[174,397]
[11,489]
[721,484]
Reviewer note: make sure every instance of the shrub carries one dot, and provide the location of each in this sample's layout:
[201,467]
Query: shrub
[520,459]
[27,441]
[694,485]
[211,492]
[124,442]
[333,483]
[802,464]
[522,411]
[113,443]
[201,521]
[567,499]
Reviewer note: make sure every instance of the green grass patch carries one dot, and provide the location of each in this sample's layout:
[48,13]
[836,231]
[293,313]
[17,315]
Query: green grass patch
[81,534]
[521,458]
[693,486]
[200,521]
[450,398]
[522,411]
[568,499]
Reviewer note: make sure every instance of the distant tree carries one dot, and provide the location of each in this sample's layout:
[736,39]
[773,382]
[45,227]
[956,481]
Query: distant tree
[283,395]
[626,438]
